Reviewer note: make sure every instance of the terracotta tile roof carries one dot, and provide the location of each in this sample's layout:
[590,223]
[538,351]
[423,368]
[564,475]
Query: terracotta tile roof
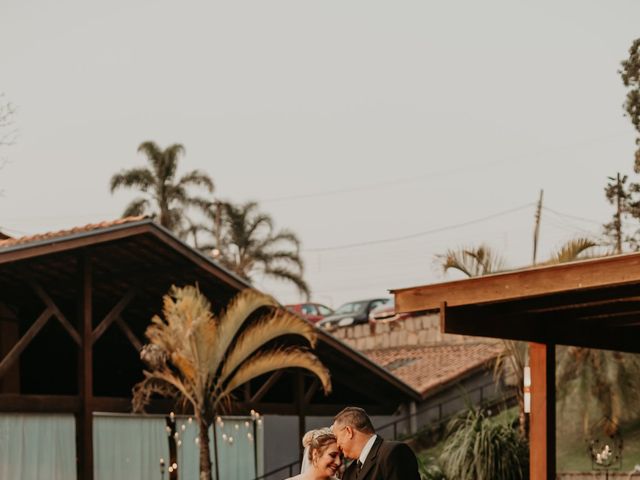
[12,242]
[429,366]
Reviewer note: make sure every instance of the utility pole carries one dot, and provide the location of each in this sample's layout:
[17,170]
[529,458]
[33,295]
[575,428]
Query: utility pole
[618,220]
[536,230]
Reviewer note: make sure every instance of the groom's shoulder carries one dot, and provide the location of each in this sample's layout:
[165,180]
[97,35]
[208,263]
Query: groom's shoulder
[388,447]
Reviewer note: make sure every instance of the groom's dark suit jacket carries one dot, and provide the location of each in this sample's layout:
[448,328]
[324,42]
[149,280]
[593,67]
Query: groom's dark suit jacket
[386,461]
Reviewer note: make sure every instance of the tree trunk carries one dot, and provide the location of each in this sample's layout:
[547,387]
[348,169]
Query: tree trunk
[523,420]
[205,454]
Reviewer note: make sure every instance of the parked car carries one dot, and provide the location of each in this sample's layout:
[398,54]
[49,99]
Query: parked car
[386,313]
[352,313]
[313,312]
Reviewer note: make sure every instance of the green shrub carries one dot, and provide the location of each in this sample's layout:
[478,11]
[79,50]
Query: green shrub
[480,448]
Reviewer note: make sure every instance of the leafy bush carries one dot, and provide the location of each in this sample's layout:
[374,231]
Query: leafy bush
[480,448]
[429,469]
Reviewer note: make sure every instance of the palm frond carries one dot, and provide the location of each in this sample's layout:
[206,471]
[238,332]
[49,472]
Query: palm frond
[280,322]
[141,178]
[196,178]
[572,250]
[283,236]
[139,206]
[275,360]
[472,262]
[285,274]
[233,318]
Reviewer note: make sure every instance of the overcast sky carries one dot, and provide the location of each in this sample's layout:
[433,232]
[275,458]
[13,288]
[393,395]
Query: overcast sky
[349,121]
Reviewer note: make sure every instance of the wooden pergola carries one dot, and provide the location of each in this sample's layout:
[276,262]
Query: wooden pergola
[592,303]
[74,306]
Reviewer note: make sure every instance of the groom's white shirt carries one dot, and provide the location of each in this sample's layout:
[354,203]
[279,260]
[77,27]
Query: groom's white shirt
[367,448]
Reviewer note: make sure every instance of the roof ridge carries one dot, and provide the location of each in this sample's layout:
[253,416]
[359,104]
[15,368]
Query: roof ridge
[10,242]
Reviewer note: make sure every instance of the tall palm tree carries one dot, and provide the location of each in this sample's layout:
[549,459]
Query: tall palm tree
[164,197]
[479,261]
[200,358]
[246,242]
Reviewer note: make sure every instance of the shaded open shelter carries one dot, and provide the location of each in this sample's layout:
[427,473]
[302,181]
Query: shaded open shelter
[591,303]
[74,306]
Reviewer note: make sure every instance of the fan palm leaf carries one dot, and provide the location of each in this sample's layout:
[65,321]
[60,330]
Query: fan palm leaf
[278,324]
[201,358]
[274,360]
[571,251]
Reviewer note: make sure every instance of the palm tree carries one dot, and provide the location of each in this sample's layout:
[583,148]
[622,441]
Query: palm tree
[479,261]
[200,358]
[246,242]
[165,198]
[481,448]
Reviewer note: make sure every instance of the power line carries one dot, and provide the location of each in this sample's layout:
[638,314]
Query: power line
[575,217]
[437,173]
[420,234]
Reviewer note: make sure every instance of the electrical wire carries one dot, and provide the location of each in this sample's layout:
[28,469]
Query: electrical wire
[420,234]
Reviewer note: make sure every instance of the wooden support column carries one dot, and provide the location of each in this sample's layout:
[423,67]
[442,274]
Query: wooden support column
[542,430]
[9,336]
[299,399]
[84,418]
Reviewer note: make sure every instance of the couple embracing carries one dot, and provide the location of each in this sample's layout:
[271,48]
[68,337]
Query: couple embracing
[352,436]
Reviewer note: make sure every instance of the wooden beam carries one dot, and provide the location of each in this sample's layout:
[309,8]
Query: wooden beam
[9,336]
[25,340]
[48,301]
[115,312]
[266,386]
[542,431]
[39,403]
[582,275]
[137,344]
[313,388]
[124,405]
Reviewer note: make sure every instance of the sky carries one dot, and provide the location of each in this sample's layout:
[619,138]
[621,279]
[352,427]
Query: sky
[382,133]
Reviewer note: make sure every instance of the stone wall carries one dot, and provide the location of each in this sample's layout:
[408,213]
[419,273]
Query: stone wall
[415,330]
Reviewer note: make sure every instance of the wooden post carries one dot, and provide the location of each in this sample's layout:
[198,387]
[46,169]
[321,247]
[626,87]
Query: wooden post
[299,399]
[9,336]
[84,418]
[542,430]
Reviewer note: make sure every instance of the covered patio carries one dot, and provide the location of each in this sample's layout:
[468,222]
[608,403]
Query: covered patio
[74,306]
[592,303]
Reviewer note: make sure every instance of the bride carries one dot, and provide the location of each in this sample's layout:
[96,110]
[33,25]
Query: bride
[321,459]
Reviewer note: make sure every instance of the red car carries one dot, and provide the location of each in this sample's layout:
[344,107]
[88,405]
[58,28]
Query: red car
[313,312]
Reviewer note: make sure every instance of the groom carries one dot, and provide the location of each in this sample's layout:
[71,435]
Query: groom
[374,458]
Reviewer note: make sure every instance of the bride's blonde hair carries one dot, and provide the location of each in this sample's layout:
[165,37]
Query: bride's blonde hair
[318,441]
